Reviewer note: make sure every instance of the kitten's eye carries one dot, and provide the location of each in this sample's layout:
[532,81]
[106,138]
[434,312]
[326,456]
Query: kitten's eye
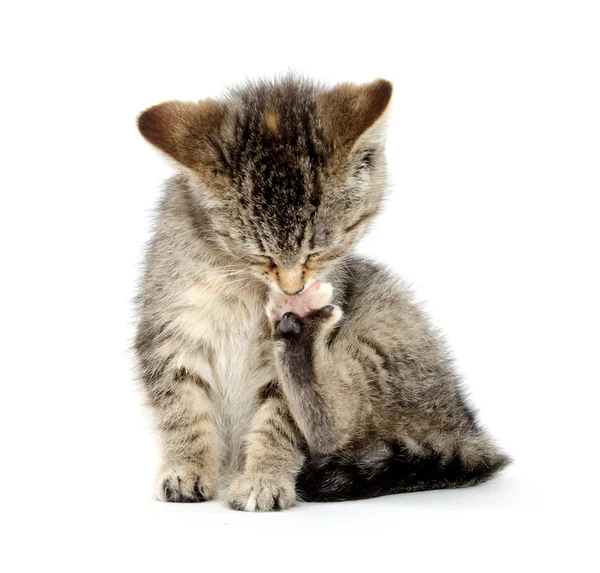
[361,219]
[263,260]
[312,256]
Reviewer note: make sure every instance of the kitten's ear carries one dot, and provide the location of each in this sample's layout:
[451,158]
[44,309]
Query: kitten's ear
[349,110]
[186,131]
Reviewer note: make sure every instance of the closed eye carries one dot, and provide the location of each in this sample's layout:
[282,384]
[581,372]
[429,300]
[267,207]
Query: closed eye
[262,260]
[361,220]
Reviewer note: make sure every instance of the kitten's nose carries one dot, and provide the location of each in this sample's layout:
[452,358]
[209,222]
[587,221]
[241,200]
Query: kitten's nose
[291,281]
[293,293]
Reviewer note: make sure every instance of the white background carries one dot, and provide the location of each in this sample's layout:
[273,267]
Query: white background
[494,148]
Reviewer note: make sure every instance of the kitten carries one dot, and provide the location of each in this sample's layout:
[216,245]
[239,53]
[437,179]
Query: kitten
[276,362]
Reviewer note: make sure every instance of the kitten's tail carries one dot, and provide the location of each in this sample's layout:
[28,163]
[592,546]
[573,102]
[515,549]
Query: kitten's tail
[337,479]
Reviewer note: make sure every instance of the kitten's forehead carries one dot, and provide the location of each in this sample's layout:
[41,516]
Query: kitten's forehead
[287,151]
[281,152]
[278,133]
[285,194]
[283,225]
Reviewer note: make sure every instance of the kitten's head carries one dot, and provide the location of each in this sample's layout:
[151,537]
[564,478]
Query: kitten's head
[290,172]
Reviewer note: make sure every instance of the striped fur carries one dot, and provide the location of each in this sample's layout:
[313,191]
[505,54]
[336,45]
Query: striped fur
[278,364]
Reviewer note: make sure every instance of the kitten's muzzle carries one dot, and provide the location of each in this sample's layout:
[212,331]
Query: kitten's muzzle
[290,280]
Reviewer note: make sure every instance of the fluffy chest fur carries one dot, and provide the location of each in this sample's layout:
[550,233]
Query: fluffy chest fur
[223,326]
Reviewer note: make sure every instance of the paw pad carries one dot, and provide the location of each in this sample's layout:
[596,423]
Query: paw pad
[327,311]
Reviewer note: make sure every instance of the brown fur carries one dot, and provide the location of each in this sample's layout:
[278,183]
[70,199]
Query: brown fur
[340,391]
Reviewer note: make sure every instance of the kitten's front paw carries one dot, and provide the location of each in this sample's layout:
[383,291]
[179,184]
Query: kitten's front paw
[291,326]
[261,493]
[290,316]
[316,296]
[186,483]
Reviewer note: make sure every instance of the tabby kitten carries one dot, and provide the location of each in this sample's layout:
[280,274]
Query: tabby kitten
[276,362]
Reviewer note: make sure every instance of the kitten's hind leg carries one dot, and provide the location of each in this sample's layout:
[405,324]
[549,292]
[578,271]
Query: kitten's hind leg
[309,380]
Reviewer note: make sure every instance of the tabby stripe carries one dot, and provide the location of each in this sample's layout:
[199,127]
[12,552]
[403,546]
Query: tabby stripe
[282,431]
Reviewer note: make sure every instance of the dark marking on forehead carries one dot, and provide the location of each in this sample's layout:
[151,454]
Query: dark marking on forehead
[279,152]
[301,233]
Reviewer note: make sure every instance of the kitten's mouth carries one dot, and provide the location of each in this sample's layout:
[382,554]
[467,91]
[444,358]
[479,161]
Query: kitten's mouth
[313,286]
[302,303]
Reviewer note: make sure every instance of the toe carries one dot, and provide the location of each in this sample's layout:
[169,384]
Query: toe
[326,311]
[184,484]
[259,494]
[176,492]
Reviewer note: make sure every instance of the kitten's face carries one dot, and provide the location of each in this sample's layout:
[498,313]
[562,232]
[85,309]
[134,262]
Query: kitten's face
[291,216]
[295,174]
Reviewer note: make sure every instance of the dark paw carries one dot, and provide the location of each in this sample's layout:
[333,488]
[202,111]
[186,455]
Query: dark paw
[174,491]
[289,326]
[292,327]
[324,312]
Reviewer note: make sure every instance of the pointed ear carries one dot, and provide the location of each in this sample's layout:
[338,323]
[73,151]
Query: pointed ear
[349,110]
[186,131]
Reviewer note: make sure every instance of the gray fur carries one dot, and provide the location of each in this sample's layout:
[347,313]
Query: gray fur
[278,181]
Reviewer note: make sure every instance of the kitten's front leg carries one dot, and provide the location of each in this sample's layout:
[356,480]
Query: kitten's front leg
[184,414]
[273,459]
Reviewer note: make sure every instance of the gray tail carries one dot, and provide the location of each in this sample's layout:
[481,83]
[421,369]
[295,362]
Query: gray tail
[337,479]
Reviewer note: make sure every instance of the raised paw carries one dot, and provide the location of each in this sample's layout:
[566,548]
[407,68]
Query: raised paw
[185,483]
[316,296]
[292,326]
[290,316]
[261,493]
